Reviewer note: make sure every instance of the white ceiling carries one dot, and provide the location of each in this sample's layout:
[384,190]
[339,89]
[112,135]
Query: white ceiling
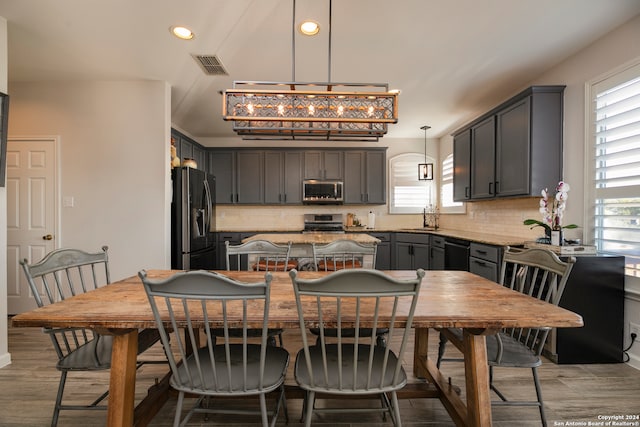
[450,59]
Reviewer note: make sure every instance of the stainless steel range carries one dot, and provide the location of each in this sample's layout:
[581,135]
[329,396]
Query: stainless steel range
[324,223]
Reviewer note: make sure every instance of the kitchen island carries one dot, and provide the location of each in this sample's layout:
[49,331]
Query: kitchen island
[301,243]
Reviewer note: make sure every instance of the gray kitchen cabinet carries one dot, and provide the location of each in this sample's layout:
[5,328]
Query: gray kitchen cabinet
[529,142]
[249,177]
[483,146]
[187,148]
[436,253]
[239,176]
[485,260]
[283,177]
[222,166]
[383,254]
[515,149]
[462,166]
[411,251]
[365,177]
[324,164]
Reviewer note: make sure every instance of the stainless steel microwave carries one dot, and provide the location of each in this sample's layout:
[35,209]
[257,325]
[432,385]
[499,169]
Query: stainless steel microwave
[322,192]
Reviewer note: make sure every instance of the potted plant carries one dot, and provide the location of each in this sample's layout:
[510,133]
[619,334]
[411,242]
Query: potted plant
[552,210]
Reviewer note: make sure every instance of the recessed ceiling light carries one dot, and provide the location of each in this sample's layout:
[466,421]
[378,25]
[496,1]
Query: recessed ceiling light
[309,28]
[182,33]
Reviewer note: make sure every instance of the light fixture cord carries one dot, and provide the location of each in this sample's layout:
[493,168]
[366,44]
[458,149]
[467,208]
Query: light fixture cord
[293,43]
[329,53]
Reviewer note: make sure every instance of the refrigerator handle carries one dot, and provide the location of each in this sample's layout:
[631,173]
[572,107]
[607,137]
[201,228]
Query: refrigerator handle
[207,192]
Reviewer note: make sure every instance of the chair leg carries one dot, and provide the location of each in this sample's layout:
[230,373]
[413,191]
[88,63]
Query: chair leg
[263,410]
[56,409]
[536,381]
[309,403]
[176,419]
[396,410]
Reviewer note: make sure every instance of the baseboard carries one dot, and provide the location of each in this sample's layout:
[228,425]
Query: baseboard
[634,361]
[5,359]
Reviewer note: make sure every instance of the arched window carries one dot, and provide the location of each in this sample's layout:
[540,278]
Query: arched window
[407,193]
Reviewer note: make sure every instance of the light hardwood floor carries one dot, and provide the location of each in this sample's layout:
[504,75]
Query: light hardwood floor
[572,392]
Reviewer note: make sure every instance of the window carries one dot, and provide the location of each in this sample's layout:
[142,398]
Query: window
[408,194]
[614,165]
[447,205]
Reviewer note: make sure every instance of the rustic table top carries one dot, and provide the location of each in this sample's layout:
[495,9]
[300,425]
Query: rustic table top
[447,299]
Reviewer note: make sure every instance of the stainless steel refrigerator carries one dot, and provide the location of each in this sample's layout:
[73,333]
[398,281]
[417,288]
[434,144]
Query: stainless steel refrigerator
[193,243]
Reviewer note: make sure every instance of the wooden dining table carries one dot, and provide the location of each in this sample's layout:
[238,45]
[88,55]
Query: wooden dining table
[447,299]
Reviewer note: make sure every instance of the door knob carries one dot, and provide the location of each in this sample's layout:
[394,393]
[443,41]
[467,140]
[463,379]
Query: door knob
[47,237]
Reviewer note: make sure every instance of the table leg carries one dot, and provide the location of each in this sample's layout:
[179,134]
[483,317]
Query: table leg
[122,382]
[477,380]
[420,350]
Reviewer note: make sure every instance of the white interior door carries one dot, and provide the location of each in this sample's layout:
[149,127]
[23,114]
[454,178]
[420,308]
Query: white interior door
[31,212]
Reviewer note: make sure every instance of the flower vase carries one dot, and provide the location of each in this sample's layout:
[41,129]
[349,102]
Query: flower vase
[556,237]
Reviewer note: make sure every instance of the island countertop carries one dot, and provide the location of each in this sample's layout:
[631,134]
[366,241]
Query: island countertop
[310,238]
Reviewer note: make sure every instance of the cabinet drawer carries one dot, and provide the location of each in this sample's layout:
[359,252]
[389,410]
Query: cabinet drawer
[437,241]
[412,238]
[486,269]
[485,252]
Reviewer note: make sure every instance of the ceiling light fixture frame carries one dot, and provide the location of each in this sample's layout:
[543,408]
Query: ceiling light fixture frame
[310,110]
[425,170]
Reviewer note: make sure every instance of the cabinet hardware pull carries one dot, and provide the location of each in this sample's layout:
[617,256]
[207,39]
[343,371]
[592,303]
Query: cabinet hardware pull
[490,188]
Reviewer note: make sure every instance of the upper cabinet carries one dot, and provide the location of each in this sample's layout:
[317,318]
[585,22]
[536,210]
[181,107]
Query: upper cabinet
[365,177]
[461,166]
[187,148]
[239,176]
[513,150]
[323,164]
[283,177]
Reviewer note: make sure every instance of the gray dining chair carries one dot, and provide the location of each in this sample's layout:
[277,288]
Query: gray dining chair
[259,255]
[345,254]
[61,274]
[540,274]
[196,301]
[344,367]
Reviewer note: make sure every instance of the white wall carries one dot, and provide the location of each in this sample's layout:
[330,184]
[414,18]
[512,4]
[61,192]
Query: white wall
[114,162]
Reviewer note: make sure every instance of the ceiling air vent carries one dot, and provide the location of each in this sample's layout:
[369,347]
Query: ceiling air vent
[211,65]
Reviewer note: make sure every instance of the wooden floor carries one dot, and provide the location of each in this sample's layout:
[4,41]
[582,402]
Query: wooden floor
[572,392]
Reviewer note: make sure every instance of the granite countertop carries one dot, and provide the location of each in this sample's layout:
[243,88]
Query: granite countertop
[309,238]
[361,234]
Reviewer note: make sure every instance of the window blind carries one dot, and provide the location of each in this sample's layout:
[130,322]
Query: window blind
[616,155]
[408,194]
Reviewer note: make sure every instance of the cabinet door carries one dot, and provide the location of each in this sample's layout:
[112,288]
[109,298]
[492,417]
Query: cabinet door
[436,261]
[354,177]
[375,177]
[404,256]
[293,177]
[273,177]
[483,146]
[461,166]
[333,164]
[421,256]
[249,176]
[222,166]
[313,167]
[513,143]
[383,253]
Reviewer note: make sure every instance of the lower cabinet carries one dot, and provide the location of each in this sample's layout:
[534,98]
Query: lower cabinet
[484,260]
[383,253]
[436,255]
[234,238]
[411,251]
[595,290]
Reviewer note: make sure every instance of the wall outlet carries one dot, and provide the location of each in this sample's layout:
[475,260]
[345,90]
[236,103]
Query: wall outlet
[634,328]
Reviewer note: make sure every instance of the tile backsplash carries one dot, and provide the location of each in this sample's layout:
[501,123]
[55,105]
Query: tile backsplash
[502,217]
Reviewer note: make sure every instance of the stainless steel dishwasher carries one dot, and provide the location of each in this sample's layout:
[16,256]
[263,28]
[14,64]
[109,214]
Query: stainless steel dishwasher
[456,254]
